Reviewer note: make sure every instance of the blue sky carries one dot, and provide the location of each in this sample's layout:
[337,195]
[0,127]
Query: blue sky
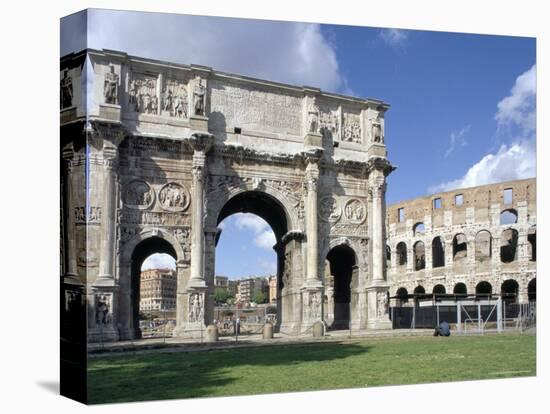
[462,106]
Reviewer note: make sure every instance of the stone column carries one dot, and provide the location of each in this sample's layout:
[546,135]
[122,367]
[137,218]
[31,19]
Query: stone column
[194,300]
[201,143]
[378,289]
[312,225]
[71,271]
[100,224]
[107,215]
[378,191]
[312,296]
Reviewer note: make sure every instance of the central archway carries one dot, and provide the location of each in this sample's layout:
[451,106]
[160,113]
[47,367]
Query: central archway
[273,212]
[343,265]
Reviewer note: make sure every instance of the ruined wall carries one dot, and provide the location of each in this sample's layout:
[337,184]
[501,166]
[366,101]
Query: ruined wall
[464,236]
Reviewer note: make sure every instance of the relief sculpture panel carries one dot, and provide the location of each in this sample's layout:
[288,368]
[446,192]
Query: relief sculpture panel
[143,94]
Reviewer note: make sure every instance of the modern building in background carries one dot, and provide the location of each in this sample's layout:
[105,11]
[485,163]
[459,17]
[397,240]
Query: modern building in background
[272,281]
[248,287]
[157,290]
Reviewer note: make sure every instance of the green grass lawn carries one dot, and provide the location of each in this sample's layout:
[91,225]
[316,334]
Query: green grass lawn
[324,365]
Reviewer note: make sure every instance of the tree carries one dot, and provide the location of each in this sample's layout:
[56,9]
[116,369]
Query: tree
[259,297]
[221,295]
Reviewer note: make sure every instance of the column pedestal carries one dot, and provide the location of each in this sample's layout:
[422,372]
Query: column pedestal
[378,306]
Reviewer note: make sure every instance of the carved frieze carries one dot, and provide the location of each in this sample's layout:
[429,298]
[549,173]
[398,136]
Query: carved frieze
[348,229]
[174,197]
[103,309]
[352,127]
[87,258]
[314,305]
[196,303]
[93,216]
[174,99]
[127,232]
[382,301]
[329,123]
[355,211]
[138,195]
[329,209]
[143,94]
[182,235]
[153,218]
[73,301]
[258,110]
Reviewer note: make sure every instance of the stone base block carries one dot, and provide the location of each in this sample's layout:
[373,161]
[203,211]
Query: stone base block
[198,123]
[103,335]
[379,324]
[110,112]
[313,139]
[191,330]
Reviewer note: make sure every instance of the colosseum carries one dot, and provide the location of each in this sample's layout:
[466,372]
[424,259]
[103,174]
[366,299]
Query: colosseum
[477,240]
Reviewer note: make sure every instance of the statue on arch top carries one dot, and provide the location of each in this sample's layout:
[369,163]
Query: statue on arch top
[110,88]
[199,95]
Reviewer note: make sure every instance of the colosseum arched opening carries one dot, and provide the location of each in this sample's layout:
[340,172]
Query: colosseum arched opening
[401,252]
[460,247]
[419,255]
[483,246]
[509,290]
[508,245]
[438,252]
[483,290]
[460,289]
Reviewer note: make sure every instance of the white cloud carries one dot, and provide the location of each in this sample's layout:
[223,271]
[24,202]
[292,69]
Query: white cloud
[296,53]
[265,240]
[518,108]
[222,225]
[250,222]
[516,160]
[511,162]
[458,140]
[159,261]
[393,37]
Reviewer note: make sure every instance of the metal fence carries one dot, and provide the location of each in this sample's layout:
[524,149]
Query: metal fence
[243,321]
[466,317]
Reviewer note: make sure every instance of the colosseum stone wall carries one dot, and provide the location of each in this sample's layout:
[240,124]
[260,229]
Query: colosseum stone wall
[474,240]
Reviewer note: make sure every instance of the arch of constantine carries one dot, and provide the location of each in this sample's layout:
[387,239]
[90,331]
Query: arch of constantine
[155,155]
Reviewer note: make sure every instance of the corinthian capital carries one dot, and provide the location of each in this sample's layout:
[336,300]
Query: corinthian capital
[201,141]
[313,155]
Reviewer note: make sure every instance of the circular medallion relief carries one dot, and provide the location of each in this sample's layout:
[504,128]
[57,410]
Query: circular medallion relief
[138,195]
[355,211]
[329,209]
[174,197]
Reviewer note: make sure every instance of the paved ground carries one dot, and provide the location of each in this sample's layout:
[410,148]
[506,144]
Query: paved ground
[182,344]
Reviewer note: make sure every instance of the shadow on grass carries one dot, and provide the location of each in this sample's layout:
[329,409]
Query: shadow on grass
[201,374]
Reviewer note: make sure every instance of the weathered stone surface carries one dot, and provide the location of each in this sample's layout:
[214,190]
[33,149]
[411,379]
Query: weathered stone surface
[267,332]
[211,333]
[318,329]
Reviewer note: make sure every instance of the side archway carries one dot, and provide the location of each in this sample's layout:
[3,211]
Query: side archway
[136,250]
